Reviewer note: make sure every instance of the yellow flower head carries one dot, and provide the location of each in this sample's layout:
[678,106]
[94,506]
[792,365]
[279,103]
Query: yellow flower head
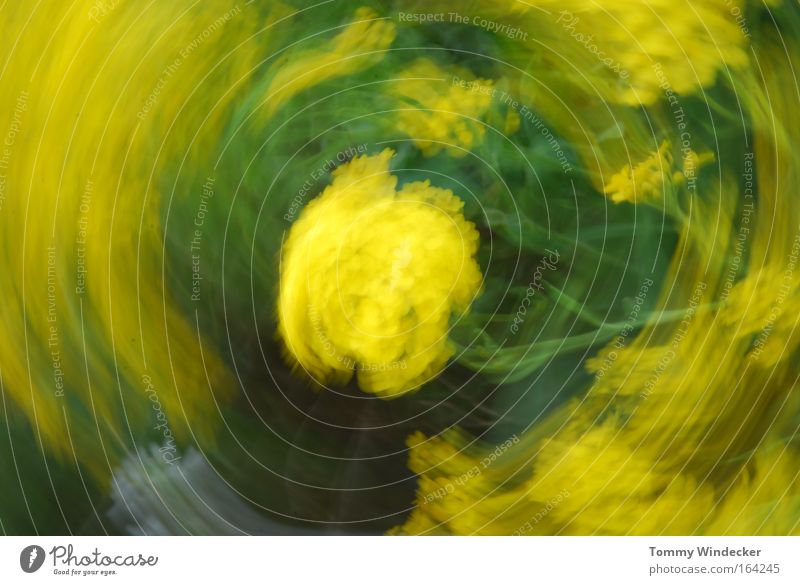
[655,46]
[441,109]
[645,179]
[370,277]
[645,182]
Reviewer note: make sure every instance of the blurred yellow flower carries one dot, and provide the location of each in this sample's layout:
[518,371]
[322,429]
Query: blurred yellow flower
[655,46]
[442,110]
[370,277]
[645,182]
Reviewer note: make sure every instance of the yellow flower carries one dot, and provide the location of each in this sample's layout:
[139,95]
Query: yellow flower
[86,337]
[763,499]
[370,277]
[645,180]
[645,183]
[656,46]
[442,110]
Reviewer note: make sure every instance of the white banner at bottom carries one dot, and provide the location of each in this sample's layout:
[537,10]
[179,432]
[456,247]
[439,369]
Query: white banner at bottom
[401,560]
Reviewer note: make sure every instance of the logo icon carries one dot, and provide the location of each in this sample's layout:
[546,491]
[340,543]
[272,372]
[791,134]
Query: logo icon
[31,558]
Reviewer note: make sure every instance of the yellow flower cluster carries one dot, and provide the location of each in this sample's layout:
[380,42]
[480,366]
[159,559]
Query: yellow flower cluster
[656,46]
[646,181]
[442,111]
[370,277]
